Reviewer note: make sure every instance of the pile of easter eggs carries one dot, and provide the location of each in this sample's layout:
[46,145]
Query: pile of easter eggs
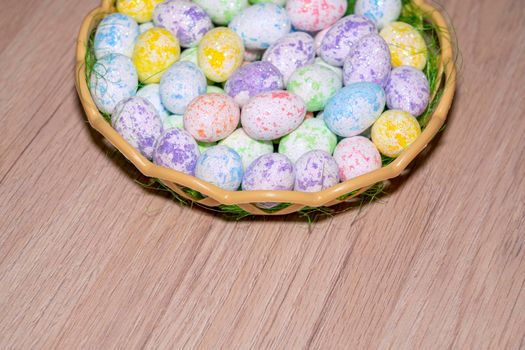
[262,95]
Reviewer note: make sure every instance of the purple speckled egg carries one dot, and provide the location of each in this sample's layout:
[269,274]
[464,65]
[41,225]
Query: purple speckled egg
[407,89]
[138,122]
[343,36]
[291,52]
[177,150]
[185,19]
[315,171]
[368,61]
[252,79]
[271,171]
[356,156]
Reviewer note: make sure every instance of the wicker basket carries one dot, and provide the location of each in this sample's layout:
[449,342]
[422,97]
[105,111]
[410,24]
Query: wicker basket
[214,196]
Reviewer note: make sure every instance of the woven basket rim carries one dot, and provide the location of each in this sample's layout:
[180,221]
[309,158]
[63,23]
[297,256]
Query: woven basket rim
[215,195]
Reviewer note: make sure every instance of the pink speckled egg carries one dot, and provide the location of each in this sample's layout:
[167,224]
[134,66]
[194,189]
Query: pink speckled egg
[211,117]
[315,15]
[356,156]
[271,115]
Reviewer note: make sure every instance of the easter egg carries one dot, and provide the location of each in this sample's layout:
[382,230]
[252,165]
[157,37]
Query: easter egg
[394,131]
[222,11]
[190,55]
[140,10]
[180,84]
[261,25]
[211,117]
[315,171]
[177,150]
[116,33]
[277,2]
[313,134]
[315,84]
[151,93]
[273,114]
[220,54]
[137,121]
[291,52]
[318,39]
[211,89]
[251,80]
[407,46]
[381,12]
[220,166]
[336,70]
[184,19]
[356,156]
[113,79]
[247,148]
[156,49]
[407,89]
[146,26]
[369,60]
[173,121]
[315,15]
[343,36]
[251,55]
[354,108]
[269,172]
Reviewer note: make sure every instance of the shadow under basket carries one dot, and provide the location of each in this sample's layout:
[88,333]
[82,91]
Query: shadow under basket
[420,12]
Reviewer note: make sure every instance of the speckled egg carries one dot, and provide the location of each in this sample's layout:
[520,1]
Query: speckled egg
[381,12]
[116,33]
[291,52]
[220,54]
[354,108]
[211,117]
[222,11]
[269,172]
[180,84]
[177,150]
[369,61]
[273,114]
[252,79]
[155,51]
[336,70]
[247,148]
[173,121]
[408,90]
[212,89]
[394,131]
[113,79]
[184,19]
[146,26]
[315,171]
[315,15]
[356,156]
[220,166]
[315,84]
[407,46]
[277,2]
[151,93]
[311,135]
[261,25]
[251,55]
[318,39]
[140,10]
[138,122]
[343,36]
[190,55]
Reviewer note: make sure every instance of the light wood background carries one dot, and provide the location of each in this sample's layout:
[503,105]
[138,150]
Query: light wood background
[89,259]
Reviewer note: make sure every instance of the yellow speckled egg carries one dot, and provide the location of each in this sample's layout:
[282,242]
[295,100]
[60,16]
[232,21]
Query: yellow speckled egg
[394,131]
[220,53]
[140,10]
[407,46]
[156,49]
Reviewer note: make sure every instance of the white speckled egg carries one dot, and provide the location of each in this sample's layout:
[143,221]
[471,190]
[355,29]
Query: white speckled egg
[113,79]
[222,11]
[315,171]
[381,12]
[152,94]
[273,114]
[269,172]
[291,52]
[116,33]
[315,15]
[261,25]
[137,121]
[180,84]
[356,156]
[247,148]
[177,150]
[407,45]
[408,90]
[220,166]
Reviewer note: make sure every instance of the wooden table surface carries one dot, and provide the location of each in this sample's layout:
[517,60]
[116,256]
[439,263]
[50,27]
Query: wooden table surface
[89,259]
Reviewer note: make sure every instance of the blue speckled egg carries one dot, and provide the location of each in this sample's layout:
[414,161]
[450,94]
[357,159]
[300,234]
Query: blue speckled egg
[138,122]
[113,79]
[180,84]
[269,172]
[261,25]
[354,108]
[177,150]
[381,12]
[151,93]
[220,166]
[408,90]
[315,171]
[116,33]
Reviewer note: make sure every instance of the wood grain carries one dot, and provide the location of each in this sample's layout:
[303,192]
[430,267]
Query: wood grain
[89,259]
